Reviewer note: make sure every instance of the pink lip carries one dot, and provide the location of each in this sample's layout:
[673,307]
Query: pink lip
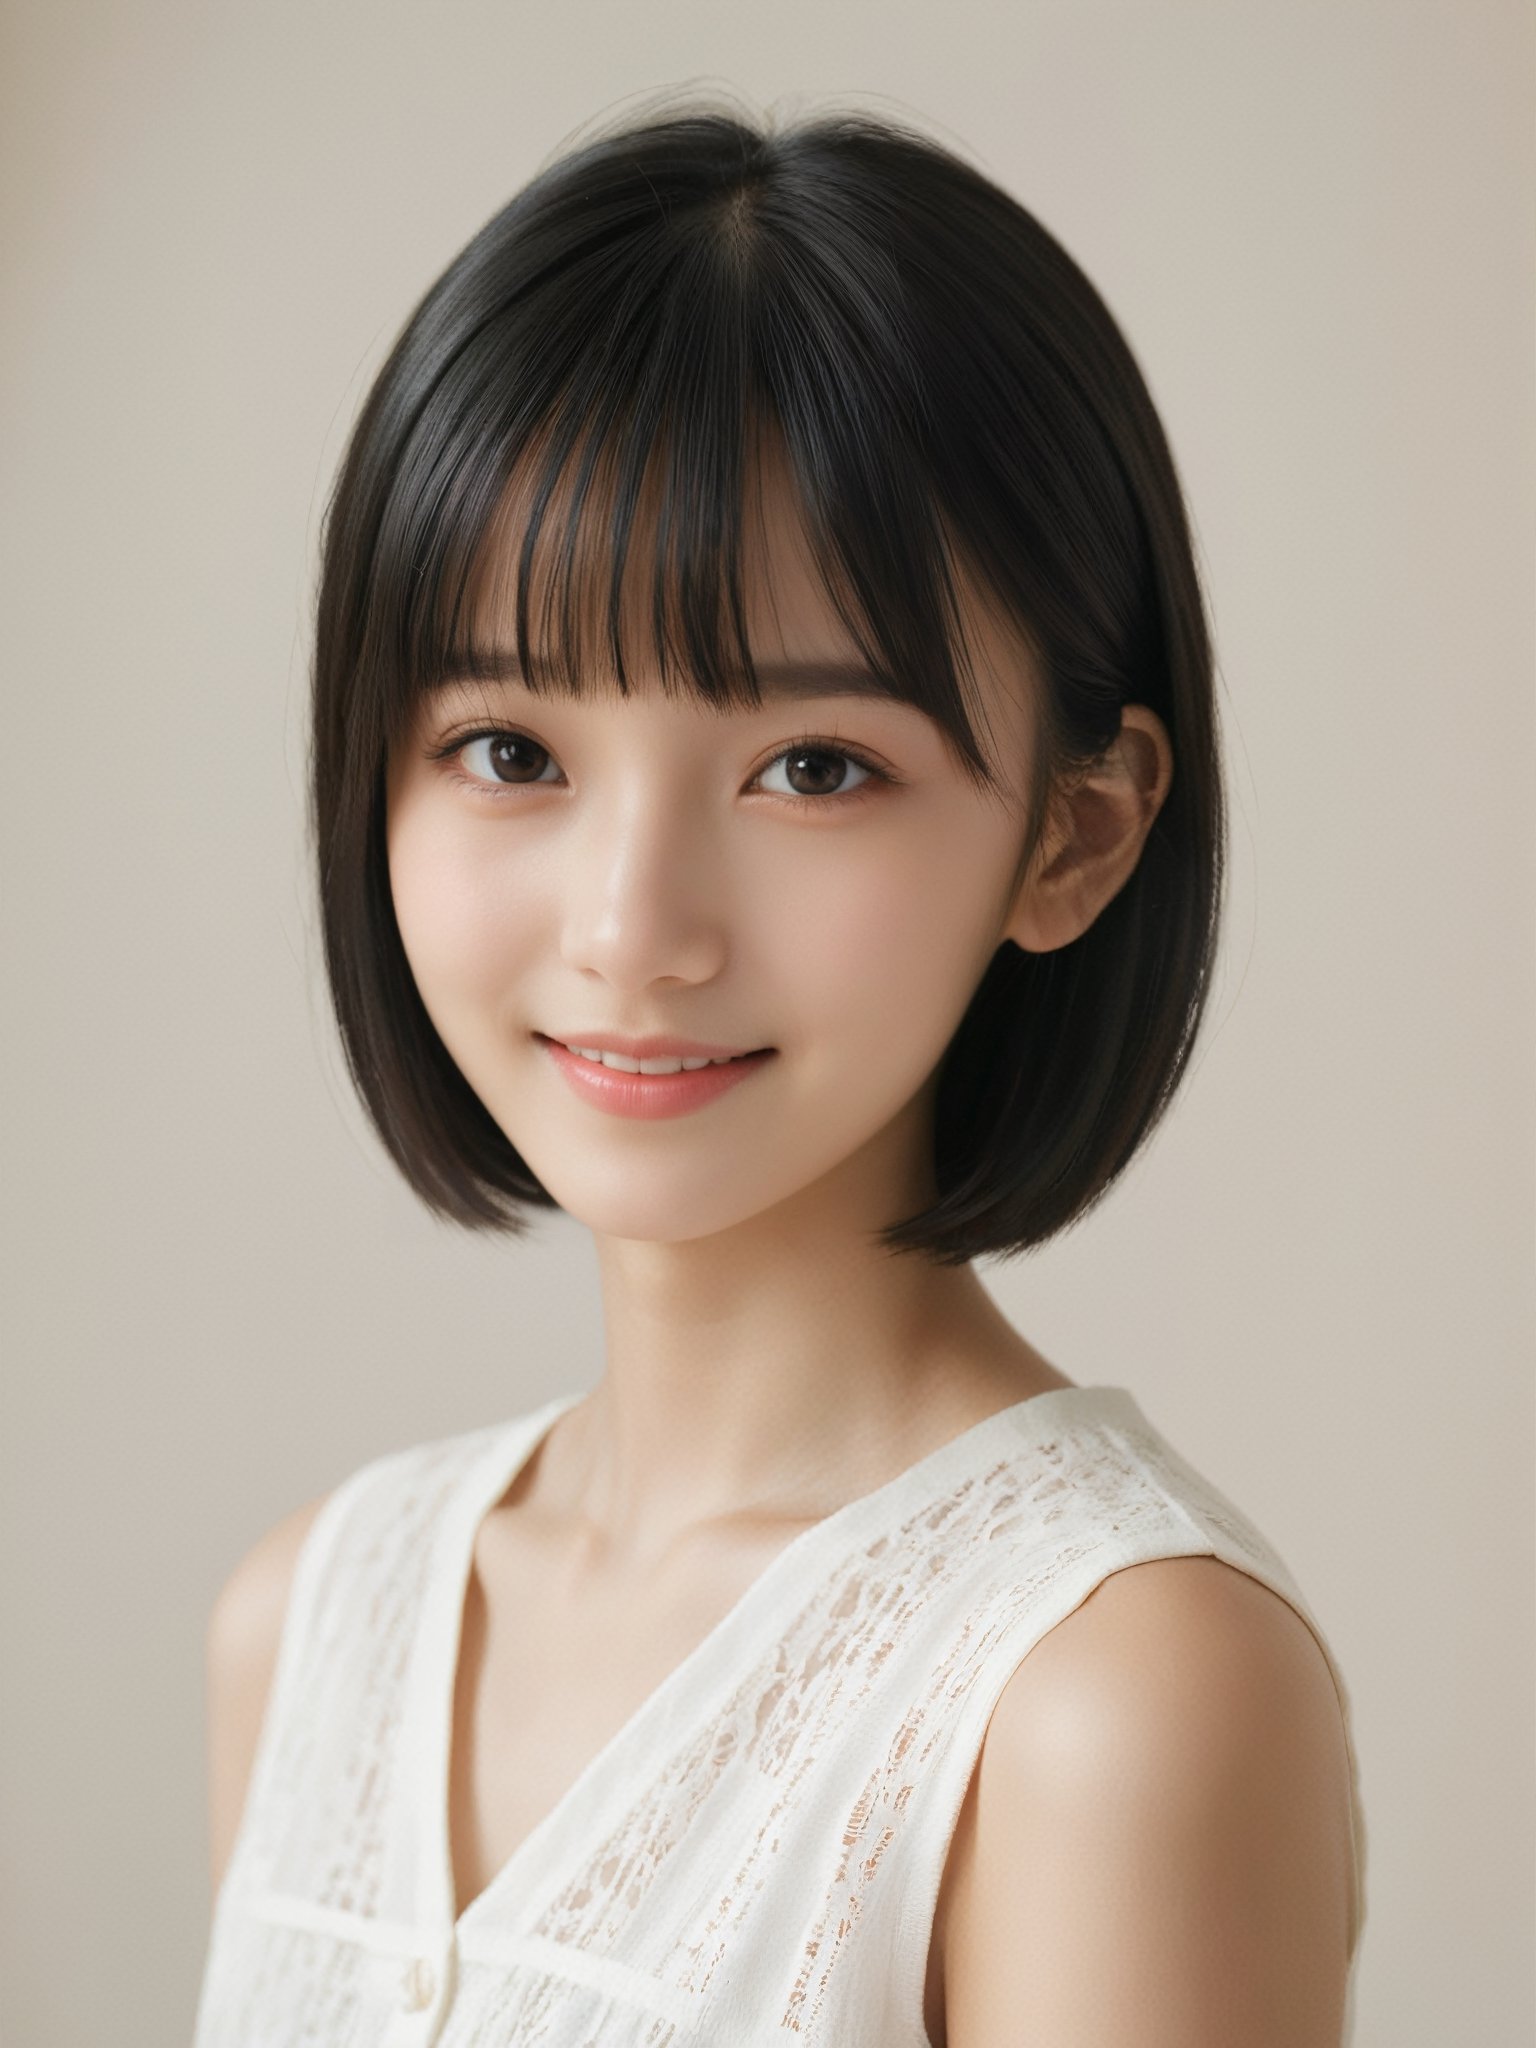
[653,1048]
[651,1095]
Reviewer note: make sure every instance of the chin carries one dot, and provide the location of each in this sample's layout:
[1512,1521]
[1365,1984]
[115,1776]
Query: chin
[657,1183]
[657,1202]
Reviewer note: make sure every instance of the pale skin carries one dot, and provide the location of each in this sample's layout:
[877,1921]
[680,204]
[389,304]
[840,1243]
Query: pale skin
[1155,1849]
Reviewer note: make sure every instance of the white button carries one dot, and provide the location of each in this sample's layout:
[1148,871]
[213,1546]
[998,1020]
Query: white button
[418,1985]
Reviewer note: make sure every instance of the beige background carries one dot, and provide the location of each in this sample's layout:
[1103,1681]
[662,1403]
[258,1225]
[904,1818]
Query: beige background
[1314,224]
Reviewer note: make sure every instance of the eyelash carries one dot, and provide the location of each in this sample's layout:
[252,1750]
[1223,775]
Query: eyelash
[807,743]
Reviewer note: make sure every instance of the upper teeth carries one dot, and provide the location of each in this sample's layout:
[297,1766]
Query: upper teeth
[626,1065]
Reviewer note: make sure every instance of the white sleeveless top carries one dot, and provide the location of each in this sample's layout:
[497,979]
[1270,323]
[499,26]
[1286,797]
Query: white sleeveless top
[758,1850]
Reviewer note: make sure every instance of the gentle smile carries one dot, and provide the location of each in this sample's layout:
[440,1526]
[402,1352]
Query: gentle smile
[623,1064]
[651,1087]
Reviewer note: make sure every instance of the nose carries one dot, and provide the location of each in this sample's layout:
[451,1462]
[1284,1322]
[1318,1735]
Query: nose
[644,895]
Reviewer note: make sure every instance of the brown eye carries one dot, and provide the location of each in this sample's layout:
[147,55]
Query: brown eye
[504,757]
[815,774]
[820,772]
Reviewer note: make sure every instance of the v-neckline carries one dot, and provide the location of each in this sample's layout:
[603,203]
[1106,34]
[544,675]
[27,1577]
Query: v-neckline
[710,1667]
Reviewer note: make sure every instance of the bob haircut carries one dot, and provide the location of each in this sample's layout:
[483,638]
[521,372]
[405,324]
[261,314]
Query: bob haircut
[950,393]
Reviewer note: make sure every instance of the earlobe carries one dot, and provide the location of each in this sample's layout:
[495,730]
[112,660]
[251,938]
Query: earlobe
[1094,839]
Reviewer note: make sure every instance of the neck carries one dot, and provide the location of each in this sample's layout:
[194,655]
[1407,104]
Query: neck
[774,1371]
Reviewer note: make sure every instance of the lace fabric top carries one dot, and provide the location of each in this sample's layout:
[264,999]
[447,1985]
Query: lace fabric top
[757,1852]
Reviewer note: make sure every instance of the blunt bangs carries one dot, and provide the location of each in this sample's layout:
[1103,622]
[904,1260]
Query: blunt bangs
[539,468]
[558,467]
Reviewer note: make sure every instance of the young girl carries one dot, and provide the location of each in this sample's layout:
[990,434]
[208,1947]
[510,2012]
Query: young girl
[768,807]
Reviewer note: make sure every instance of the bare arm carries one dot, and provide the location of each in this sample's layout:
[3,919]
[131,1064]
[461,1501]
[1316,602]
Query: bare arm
[244,1629]
[1156,1849]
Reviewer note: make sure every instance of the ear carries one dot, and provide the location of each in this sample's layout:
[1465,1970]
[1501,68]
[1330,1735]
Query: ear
[1093,841]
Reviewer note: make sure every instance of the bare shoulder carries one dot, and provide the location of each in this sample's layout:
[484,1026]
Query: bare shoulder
[245,1627]
[1156,1848]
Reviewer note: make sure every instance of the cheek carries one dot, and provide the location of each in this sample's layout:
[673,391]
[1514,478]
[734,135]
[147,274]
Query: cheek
[885,945]
[459,931]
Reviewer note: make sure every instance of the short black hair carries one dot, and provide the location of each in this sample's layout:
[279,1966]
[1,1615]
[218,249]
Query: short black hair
[949,390]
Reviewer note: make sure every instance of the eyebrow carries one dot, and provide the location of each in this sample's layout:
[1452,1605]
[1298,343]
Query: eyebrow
[780,681]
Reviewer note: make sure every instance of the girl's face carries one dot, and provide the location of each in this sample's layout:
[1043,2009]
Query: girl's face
[819,876]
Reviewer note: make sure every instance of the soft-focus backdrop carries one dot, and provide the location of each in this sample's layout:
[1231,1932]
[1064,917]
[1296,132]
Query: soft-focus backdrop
[1314,223]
